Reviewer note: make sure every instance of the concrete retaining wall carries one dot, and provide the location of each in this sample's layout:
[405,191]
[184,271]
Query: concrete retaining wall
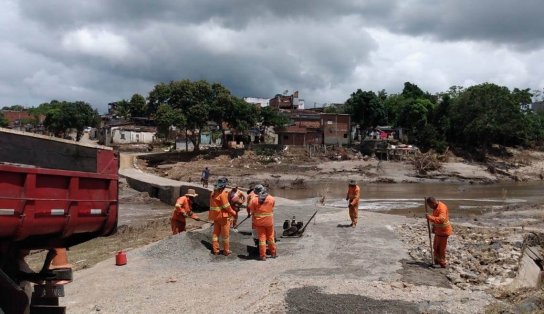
[165,189]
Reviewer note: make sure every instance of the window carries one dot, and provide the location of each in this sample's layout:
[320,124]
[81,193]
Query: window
[345,135]
[123,136]
[286,137]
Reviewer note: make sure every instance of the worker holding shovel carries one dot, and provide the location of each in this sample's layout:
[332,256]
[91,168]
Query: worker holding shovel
[221,213]
[184,209]
[441,228]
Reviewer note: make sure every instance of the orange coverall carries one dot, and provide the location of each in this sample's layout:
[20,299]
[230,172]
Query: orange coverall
[183,209]
[236,199]
[354,193]
[220,212]
[263,220]
[442,230]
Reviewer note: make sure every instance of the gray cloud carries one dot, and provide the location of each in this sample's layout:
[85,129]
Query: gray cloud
[100,51]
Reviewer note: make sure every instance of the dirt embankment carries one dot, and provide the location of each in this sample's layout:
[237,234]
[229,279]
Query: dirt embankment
[288,167]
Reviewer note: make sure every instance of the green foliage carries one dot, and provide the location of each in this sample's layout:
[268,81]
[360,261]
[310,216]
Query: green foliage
[138,106]
[488,114]
[14,108]
[264,151]
[166,116]
[63,116]
[272,117]
[3,121]
[366,109]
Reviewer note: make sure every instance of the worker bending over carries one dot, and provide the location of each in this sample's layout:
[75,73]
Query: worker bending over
[354,193]
[236,200]
[262,210]
[221,213]
[441,228]
[184,209]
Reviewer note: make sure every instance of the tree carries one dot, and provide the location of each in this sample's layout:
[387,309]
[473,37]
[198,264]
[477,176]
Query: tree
[166,116]
[269,116]
[3,121]
[487,113]
[138,107]
[366,108]
[189,99]
[414,115]
[63,116]
[122,109]
[14,108]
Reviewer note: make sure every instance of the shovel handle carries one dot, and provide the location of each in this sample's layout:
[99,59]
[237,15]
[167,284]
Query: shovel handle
[429,231]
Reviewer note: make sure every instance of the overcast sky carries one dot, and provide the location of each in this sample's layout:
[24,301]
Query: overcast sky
[101,51]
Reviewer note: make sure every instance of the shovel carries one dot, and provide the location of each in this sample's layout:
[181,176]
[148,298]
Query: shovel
[429,230]
[235,229]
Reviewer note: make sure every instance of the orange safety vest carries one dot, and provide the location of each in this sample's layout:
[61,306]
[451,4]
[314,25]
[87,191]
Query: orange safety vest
[219,206]
[441,221]
[183,208]
[354,193]
[262,214]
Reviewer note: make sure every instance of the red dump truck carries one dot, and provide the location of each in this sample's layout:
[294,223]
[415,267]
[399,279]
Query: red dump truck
[54,194]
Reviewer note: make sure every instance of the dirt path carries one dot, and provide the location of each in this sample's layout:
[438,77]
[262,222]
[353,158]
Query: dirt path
[356,270]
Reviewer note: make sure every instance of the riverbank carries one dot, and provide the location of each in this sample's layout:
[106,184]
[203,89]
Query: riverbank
[294,167]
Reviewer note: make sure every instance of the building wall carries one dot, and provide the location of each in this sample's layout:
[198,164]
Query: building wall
[299,139]
[335,129]
[120,136]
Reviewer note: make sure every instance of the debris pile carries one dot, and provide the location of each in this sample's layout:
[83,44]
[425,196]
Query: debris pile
[425,162]
[485,257]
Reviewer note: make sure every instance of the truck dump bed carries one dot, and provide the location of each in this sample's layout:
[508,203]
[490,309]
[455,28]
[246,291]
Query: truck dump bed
[53,192]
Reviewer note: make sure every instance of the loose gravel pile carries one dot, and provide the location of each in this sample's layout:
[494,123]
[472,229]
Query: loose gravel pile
[484,257]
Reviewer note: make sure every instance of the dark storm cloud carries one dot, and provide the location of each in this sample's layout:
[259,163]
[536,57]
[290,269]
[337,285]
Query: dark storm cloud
[103,50]
[500,21]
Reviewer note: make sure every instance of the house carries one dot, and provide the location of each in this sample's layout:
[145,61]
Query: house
[20,119]
[309,127]
[336,128]
[289,102]
[126,134]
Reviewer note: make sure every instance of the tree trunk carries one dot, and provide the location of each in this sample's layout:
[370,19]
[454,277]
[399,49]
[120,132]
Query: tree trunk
[186,141]
[224,143]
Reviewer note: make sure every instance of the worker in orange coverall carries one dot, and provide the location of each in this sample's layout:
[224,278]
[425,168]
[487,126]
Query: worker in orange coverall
[184,209]
[354,193]
[236,200]
[221,213]
[441,228]
[262,210]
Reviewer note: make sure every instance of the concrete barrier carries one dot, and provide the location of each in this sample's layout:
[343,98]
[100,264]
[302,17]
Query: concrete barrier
[166,190]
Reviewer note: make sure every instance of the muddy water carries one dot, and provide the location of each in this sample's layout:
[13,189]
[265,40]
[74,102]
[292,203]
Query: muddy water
[407,198]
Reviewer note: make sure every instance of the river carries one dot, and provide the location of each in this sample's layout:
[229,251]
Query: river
[407,198]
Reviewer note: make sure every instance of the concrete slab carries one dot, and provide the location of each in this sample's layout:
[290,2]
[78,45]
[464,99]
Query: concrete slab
[165,189]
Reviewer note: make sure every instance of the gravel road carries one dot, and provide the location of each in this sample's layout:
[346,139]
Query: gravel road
[331,269]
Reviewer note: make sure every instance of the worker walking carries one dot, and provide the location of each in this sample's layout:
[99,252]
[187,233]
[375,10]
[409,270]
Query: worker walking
[236,200]
[262,210]
[184,209]
[204,177]
[441,228]
[354,193]
[221,213]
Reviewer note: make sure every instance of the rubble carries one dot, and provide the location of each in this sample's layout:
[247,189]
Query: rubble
[478,257]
